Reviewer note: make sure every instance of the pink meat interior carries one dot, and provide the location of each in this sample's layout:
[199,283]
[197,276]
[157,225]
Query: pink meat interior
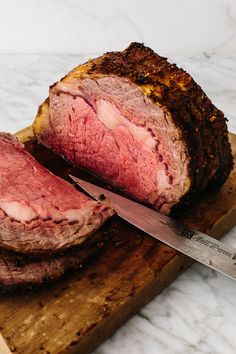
[110,127]
[28,191]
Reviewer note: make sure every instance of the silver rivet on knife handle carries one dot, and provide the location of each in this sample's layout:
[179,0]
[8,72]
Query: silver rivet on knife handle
[197,245]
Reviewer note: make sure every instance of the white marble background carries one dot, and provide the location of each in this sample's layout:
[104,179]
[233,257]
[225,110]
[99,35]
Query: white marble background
[196,314]
[91,26]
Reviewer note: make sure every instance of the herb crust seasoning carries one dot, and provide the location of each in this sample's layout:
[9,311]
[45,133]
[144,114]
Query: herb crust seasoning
[142,124]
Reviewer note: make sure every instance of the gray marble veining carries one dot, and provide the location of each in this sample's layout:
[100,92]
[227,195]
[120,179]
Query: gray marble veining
[196,313]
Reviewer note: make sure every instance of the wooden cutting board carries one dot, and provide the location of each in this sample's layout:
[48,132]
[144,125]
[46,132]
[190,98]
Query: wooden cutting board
[78,312]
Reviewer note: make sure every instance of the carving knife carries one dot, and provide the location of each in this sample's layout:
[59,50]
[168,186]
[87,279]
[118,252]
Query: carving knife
[195,244]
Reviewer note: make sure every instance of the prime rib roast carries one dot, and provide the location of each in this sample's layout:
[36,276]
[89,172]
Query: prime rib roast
[41,217]
[140,123]
[132,119]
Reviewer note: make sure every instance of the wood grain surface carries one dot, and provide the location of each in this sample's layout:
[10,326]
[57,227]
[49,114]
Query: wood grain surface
[78,312]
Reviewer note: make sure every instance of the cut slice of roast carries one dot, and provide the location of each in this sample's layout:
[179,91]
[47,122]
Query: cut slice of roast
[40,212]
[140,123]
[20,271]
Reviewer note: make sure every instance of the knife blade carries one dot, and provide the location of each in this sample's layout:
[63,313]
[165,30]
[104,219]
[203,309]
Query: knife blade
[195,244]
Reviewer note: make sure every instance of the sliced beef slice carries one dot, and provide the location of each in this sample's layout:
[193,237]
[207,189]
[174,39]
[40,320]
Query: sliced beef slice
[13,274]
[22,271]
[140,123]
[40,212]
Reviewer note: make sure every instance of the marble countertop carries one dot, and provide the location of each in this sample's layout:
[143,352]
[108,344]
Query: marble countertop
[78,26]
[197,312]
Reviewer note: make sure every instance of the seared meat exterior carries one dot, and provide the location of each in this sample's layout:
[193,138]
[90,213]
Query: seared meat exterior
[40,212]
[142,124]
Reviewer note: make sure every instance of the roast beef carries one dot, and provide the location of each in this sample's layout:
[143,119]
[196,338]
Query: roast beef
[22,271]
[40,212]
[142,124]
